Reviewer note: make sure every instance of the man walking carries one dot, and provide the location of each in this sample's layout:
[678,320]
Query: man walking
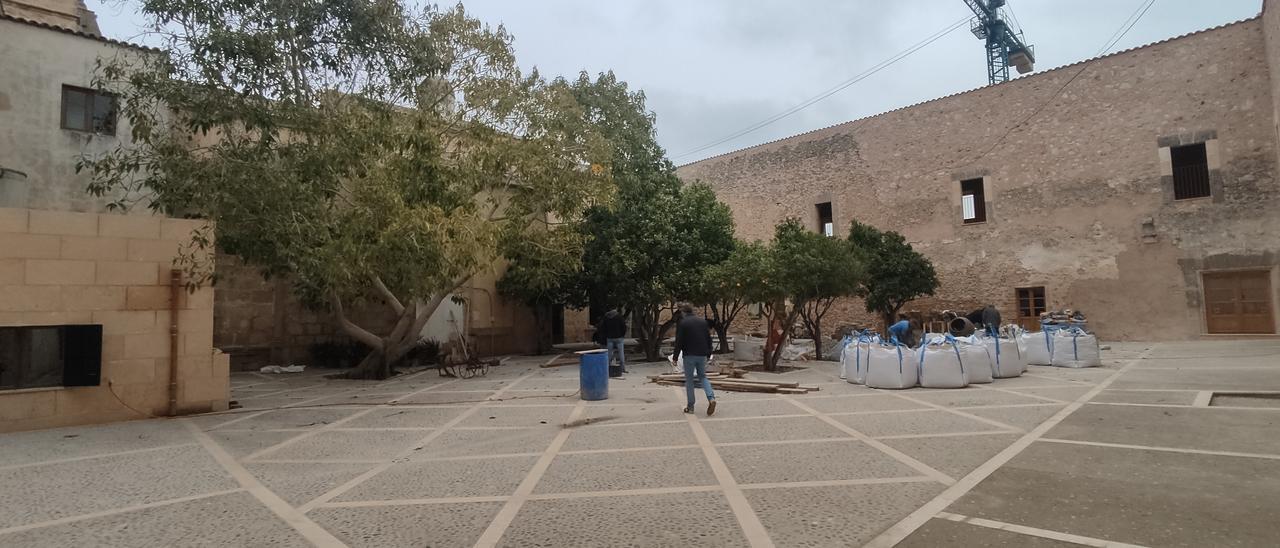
[614,327]
[693,345]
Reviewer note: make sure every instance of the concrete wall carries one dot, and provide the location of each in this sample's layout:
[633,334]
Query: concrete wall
[36,62]
[1079,198]
[61,268]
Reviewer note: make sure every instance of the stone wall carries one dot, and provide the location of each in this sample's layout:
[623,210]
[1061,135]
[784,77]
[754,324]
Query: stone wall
[1078,197]
[60,268]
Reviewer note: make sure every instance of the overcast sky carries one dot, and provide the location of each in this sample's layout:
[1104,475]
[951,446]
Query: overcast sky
[711,68]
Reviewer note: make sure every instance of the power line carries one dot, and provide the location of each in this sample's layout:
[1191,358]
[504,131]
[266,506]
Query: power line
[1115,39]
[839,87]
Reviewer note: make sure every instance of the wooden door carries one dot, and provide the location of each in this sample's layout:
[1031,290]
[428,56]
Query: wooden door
[1031,303]
[1238,302]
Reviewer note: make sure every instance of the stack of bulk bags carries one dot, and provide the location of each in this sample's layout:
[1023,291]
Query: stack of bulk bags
[1039,347]
[856,358]
[891,366]
[940,364]
[1007,357]
[978,364]
[1075,348]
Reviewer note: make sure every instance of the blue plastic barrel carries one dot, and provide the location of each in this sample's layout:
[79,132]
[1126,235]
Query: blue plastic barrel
[593,375]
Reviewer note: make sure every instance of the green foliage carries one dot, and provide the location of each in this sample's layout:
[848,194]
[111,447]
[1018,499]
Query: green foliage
[728,287]
[896,273]
[813,270]
[354,145]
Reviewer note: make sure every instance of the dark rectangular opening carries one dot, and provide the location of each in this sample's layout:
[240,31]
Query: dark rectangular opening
[1190,172]
[88,110]
[826,220]
[973,201]
[42,356]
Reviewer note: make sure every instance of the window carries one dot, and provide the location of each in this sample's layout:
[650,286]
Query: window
[46,356]
[1031,302]
[1190,172]
[973,203]
[88,110]
[826,222]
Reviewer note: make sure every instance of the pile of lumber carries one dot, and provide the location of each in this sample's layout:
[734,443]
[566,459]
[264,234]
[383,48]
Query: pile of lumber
[720,381]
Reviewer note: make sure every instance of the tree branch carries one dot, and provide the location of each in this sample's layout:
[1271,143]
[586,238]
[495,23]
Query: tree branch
[388,295]
[356,332]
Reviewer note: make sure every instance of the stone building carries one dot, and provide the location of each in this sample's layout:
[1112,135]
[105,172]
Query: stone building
[1144,194]
[90,330]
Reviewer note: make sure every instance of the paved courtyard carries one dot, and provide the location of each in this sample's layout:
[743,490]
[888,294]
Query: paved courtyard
[1139,452]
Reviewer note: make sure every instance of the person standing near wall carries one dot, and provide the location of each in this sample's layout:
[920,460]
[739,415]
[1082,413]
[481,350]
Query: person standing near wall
[614,329]
[693,345]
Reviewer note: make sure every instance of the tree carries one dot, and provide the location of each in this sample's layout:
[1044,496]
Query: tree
[809,272]
[896,273]
[540,279]
[729,286]
[366,150]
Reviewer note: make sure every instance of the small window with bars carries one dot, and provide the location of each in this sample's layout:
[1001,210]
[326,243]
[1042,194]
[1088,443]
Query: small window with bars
[1190,172]
[1031,302]
[88,110]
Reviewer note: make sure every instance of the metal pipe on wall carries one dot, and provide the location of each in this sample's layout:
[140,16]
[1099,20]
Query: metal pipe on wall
[175,288]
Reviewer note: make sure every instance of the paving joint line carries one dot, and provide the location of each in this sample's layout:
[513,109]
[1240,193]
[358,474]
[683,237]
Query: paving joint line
[752,528]
[953,411]
[114,511]
[300,523]
[97,456]
[356,481]
[908,525]
[1035,531]
[1188,451]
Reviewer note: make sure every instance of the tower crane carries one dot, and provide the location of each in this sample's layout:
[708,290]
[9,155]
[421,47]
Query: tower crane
[1004,46]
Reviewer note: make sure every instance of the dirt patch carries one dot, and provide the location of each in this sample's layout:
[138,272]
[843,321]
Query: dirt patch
[759,368]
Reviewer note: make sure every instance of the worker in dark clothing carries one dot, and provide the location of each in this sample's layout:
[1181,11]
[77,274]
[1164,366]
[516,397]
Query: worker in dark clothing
[987,319]
[614,330]
[693,345]
[901,332]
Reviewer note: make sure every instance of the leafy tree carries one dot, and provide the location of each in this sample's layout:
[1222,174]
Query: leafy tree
[729,286]
[540,275]
[809,272]
[368,150]
[896,273]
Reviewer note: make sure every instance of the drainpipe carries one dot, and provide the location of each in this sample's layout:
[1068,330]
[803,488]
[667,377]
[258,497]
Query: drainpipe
[175,287]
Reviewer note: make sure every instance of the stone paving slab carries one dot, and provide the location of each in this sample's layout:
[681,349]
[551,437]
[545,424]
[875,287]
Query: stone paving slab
[300,482]
[914,423]
[81,441]
[235,519]
[837,515]
[814,461]
[406,417]
[442,479]
[1025,418]
[954,456]
[414,526]
[482,443]
[348,445]
[860,403]
[941,532]
[685,519]
[770,429]
[1200,379]
[1065,394]
[1145,397]
[294,419]
[1150,498]
[242,443]
[517,416]
[60,490]
[627,470]
[1210,429]
[627,436]
[973,397]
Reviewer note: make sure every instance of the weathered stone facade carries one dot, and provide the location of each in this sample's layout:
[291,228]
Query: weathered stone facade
[1078,198]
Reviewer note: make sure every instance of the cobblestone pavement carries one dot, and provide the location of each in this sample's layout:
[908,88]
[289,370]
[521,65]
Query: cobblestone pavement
[1140,451]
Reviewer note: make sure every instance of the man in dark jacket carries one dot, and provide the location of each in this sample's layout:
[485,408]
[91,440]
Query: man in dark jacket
[693,345]
[614,329]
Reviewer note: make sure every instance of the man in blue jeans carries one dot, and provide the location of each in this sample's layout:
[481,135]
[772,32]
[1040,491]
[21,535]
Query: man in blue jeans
[693,340]
[614,327]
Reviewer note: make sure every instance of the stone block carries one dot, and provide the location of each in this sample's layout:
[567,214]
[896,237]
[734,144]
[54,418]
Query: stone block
[147,345]
[44,318]
[202,299]
[199,343]
[126,322]
[12,271]
[62,223]
[87,248]
[93,297]
[130,371]
[85,400]
[129,226]
[27,405]
[148,297]
[25,298]
[179,230]
[28,246]
[13,220]
[190,321]
[112,347]
[127,273]
[58,272]
[158,251]
[204,389]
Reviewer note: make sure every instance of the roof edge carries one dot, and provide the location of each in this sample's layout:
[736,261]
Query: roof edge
[972,90]
[65,30]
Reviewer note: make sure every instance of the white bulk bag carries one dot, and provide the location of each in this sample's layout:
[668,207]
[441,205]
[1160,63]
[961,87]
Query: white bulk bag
[940,364]
[1007,359]
[844,359]
[977,361]
[1076,348]
[748,349]
[1039,347]
[857,357]
[891,366]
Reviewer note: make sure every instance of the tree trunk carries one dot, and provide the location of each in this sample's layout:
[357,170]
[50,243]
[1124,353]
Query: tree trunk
[649,331]
[817,338]
[389,350]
